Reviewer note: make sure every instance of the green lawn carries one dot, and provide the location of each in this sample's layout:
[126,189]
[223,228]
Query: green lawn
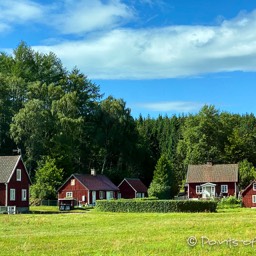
[95,233]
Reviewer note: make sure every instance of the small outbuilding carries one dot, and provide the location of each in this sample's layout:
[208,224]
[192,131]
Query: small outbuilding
[14,184]
[249,195]
[132,188]
[85,189]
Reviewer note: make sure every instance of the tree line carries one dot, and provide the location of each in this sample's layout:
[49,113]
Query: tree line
[63,124]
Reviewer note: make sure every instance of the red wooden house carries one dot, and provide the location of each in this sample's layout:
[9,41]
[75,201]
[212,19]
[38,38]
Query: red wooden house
[14,183]
[249,195]
[209,180]
[132,188]
[83,189]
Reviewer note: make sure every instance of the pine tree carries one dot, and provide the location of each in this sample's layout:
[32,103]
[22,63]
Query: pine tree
[164,184]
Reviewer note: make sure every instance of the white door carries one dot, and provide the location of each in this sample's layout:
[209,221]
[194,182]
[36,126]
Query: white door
[93,197]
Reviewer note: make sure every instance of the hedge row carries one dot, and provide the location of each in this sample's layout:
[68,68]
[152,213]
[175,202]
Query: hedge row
[130,205]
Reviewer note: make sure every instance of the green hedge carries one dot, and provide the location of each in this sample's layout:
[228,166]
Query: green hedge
[131,205]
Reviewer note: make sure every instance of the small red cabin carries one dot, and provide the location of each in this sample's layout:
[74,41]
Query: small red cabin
[249,195]
[14,183]
[85,189]
[132,188]
[209,180]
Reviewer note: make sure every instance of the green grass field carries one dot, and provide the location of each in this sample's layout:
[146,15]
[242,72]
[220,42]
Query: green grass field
[96,233]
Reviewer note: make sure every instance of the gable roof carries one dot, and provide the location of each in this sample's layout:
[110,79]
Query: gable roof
[248,187]
[96,183]
[212,173]
[136,184]
[8,165]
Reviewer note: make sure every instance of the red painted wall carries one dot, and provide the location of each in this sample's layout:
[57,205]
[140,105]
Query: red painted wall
[78,191]
[126,190]
[18,186]
[247,197]
[2,194]
[193,194]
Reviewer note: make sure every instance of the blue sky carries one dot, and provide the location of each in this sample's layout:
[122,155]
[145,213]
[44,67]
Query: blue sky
[162,57]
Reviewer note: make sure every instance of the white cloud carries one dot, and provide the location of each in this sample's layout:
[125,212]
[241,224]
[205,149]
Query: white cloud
[107,50]
[19,11]
[168,52]
[172,106]
[83,16]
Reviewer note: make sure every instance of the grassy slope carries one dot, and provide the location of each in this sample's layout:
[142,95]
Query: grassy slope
[95,233]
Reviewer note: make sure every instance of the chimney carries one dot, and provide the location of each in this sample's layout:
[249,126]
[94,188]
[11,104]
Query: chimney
[93,172]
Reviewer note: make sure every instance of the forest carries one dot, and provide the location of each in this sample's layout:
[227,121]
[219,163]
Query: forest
[62,124]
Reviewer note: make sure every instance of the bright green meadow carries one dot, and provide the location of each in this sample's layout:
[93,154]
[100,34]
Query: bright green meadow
[227,232]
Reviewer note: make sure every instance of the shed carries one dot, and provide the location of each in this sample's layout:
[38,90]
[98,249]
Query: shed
[132,188]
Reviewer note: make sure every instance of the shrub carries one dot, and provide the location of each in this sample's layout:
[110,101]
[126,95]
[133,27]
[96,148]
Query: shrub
[135,205]
[230,201]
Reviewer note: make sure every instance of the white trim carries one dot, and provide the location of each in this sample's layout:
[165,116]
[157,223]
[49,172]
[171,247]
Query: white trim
[23,195]
[224,186]
[12,194]
[188,190]
[199,189]
[254,199]
[69,194]
[6,194]
[254,183]
[88,197]
[18,174]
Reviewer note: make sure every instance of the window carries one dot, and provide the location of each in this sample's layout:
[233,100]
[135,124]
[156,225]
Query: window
[23,195]
[12,194]
[110,195]
[199,189]
[138,195]
[69,194]
[73,182]
[101,194]
[254,186]
[224,189]
[18,174]
[254,199]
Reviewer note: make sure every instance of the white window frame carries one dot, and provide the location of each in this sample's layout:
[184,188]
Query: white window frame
[199,190]
[254,186]
[12,194]
[18,174]
[73,182]
[101,195]
[224,188]
[109,195]
[138,195]
[254,199]
[23,195]
[69,194]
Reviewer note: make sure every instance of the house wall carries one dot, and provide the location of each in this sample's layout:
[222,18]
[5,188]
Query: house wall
[231,189]
[126,190]
[18,186]
[247,198]
[79,191]
[2,194]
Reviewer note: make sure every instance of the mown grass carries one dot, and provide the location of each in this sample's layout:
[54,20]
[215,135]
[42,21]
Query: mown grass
[96,233]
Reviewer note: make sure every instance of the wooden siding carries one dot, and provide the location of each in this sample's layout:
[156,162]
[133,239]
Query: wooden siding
[247,197]
[79,191]
[18,186]
[231,189]
[126,190]
[2,194]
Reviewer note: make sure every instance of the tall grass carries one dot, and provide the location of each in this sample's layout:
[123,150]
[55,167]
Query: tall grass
[95,233]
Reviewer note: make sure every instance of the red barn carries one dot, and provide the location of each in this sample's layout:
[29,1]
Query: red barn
[14,183]
[132,188]
[249,195]
[82,189]
[209,180]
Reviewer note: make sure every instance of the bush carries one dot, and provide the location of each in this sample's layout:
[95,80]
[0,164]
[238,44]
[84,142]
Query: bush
[230,201]
[135,205]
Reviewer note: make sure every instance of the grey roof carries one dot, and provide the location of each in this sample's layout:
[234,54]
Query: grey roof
[7,166]
[212,173]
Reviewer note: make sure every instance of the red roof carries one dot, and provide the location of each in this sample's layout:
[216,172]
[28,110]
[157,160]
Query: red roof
[98,182]
[136,184]
[212,173]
